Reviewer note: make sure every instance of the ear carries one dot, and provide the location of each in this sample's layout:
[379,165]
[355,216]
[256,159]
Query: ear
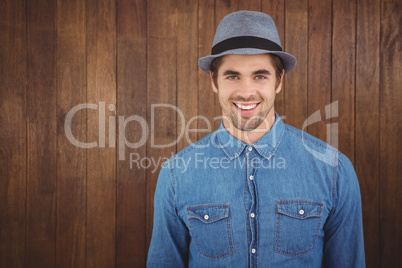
[212,83]
[279,88]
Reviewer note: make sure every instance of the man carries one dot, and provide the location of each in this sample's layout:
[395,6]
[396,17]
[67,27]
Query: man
[256,192]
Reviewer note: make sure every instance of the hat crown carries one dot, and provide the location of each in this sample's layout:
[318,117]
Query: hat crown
[247,33]
[247,23]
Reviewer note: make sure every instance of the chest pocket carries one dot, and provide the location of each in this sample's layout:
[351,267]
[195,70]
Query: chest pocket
[210,229]
[297,226]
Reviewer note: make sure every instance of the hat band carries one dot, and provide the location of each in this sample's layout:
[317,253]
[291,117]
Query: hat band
[245,42]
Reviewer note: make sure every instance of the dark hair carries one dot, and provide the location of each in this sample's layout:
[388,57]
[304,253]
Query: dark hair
[275,60]
[214,67]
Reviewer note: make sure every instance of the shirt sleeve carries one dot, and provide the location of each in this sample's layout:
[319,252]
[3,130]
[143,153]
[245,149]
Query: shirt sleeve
[170,237]
[344,245]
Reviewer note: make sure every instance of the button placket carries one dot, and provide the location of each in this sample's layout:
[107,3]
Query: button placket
[250,170]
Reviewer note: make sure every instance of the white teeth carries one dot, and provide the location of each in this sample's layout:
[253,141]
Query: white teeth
[246,107]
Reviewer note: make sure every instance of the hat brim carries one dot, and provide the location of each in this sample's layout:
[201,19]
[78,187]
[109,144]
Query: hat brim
[289,61]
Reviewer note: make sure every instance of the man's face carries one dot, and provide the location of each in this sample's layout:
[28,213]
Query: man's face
[246,87]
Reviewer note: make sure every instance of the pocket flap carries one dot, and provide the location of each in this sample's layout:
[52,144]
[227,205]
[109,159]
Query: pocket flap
[208,213]
[300,209]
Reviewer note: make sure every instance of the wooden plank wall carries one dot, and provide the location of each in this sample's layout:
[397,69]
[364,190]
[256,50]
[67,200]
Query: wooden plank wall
[123,65]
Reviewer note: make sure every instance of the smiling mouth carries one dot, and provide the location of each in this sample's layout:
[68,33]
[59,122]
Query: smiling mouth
[246,107]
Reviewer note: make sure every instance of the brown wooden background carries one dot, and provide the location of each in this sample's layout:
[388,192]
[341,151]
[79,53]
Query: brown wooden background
[64,206]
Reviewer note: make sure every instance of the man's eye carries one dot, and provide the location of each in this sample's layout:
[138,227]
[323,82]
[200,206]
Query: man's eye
[232,77]
[259,77]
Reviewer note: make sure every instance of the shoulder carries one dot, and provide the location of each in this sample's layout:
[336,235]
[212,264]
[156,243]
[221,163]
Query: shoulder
[346,175]
[301,136]
[319,154]
[311,146]
[318,148]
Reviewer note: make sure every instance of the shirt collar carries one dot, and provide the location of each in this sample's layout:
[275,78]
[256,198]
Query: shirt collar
[265,146]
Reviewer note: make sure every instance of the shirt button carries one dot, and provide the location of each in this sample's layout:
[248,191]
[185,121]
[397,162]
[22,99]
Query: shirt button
[206,217]
[253,250]
[252,215]
[251,177]
[250,148]
[301,212]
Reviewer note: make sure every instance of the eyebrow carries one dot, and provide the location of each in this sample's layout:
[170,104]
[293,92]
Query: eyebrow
[262,71]
[230,72]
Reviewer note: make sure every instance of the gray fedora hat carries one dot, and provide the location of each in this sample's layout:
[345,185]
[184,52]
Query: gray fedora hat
[247,33]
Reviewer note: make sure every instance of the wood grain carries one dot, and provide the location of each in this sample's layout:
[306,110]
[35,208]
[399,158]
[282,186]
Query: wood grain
[161,90]
[101,160]
[187,78]
[65,206]
[296,38]
[42,133]
[13,133]
[343,77]
[319,65]
[71,159]
[253,5]
[367,123]
[390,133]
[131,102]
[207,103]
[223,8]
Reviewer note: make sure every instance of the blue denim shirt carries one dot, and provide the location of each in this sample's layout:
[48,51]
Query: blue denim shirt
[288,200]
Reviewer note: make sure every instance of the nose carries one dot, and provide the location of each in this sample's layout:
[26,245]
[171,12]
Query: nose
[246,89]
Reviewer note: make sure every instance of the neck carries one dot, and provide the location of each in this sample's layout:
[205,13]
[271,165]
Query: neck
[249,137]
